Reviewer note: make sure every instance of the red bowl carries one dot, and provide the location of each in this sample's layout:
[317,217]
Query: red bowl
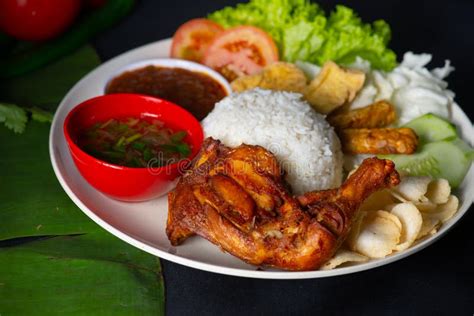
[124,183]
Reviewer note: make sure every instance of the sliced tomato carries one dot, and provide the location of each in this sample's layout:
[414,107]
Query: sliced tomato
[242,50]
[192,39]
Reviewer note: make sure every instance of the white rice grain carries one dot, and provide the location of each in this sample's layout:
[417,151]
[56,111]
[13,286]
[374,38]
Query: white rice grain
[304,143]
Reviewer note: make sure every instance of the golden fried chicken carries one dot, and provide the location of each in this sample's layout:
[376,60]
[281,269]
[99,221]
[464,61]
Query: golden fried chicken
[238,199]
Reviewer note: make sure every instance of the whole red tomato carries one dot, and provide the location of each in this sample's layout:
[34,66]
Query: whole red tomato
[36,20]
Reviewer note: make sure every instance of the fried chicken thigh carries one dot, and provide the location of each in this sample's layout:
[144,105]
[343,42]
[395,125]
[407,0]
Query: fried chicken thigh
[238,199]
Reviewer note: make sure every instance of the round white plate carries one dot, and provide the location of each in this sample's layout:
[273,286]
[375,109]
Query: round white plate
[143,224]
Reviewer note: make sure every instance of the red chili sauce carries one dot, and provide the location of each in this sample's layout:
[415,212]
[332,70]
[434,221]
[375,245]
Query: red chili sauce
[194,91]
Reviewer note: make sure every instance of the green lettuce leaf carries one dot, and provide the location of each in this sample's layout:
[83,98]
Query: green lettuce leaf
[272,16]
[302,31]
[348,37]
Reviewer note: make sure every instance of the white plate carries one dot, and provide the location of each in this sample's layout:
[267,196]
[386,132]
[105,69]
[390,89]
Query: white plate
[143,224]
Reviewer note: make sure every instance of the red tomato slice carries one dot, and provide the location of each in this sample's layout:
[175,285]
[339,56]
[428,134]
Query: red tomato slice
[193,37]
[242,50]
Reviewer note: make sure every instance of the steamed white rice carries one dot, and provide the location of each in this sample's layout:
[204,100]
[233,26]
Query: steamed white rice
[304,143]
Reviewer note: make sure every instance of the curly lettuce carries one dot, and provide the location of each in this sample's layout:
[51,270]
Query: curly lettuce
[303,31]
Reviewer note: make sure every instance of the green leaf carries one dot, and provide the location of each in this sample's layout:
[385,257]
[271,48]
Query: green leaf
[92,274]
[348,37]
[32,203]
[88,274]
[303,31]
[183,149]
[46,87]
[40,115]
[13,117]
[178,136]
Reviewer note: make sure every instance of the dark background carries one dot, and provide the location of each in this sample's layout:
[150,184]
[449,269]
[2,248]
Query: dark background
[436,281]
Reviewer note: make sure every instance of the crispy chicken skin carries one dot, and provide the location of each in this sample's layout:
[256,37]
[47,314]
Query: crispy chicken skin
[238,200]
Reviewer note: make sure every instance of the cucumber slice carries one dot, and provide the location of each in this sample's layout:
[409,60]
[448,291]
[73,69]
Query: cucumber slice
[432,128]
[447,159]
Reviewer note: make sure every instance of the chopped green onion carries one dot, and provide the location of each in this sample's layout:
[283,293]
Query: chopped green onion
[169,148]
[136,162]
[135,142]
[138,146]
[106,123]
[132,122]
[130,139]
[114,154]
[183,149]
[120,142]
[122,127]
[178,136]
[120,148]
[147,154]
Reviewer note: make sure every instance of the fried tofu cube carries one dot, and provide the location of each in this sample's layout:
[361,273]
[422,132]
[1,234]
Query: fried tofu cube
[333,87]
[278,76]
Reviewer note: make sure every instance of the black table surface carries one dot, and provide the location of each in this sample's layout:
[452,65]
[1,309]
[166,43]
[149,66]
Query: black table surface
[435,281]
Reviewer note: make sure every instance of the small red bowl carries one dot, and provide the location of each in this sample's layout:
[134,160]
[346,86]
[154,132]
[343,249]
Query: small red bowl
[124,183]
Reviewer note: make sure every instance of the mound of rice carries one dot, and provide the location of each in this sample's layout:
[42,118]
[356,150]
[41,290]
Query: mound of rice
[304,143]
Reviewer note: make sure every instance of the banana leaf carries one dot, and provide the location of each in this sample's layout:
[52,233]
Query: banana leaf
[32,203]
[87,271]
[91,274]
[46,87]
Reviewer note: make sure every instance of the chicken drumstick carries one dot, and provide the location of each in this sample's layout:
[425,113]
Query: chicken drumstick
[238,200]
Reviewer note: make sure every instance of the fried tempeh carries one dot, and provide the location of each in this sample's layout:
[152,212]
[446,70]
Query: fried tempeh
[378,140]
[378,114]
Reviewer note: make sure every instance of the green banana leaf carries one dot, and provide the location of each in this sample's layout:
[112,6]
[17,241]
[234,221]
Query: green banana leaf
[92,274]
[32,203]
[46,87]
[87,272]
